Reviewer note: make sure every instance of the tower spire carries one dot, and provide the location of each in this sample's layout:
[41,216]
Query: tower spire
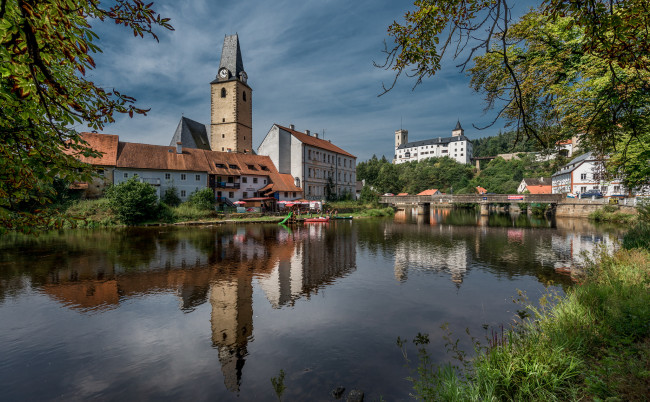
[231,66]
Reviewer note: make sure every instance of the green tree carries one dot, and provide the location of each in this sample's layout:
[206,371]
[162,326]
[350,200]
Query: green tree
[171,197]
[566,68]
[46,50]
[203,199]
[133,201]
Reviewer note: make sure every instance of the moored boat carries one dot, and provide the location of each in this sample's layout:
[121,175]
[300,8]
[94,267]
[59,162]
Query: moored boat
[321,219]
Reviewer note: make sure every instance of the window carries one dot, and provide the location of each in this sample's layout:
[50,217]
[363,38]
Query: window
[244,179]
[617,189]
[183,193]
[183,176]
[286,194]
[583,176]
[265,168]
[231,194]
[197,177]
[254,179]
[223,136]
[244,95]
[233,166]
[294,194]
[251,167]
[168,176]
[264,181]
[230,180]
[126,175]
[100,172]
[220,165]
[245,194]
[583,189]
[223,92]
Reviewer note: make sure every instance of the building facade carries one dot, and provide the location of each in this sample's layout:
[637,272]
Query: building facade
[457,147]
[586,172]
[314,163]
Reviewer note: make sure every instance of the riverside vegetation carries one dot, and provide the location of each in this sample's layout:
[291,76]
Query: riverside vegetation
[135,203]
[593,343]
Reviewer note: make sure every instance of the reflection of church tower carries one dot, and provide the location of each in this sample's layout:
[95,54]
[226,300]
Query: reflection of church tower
[232,324]
[231,126]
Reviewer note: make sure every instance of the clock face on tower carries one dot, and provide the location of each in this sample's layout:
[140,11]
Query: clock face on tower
[224,73]
[243,76]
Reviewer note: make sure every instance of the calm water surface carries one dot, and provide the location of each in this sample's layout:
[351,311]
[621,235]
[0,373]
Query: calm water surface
[213,313]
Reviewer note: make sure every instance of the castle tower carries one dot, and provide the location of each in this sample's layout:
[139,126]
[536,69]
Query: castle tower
[401,137]
[458,131]
[231,127]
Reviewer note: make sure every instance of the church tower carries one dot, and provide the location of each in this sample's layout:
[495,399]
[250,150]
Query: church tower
[231,128]
[401,137]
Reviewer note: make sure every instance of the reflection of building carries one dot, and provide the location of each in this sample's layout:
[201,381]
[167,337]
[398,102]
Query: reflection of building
[232,324]
[574,249]
[432,257]
[311,265]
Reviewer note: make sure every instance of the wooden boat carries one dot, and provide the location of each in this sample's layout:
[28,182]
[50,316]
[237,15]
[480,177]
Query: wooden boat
[322,219]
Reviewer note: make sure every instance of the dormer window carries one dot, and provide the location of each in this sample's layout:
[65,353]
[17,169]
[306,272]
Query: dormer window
[251,167]
[223,92]
[233,166]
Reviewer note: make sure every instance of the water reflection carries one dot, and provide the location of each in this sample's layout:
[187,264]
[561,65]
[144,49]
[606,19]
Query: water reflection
[219,271]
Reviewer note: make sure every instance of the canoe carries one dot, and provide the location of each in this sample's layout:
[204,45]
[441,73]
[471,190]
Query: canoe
[317,220]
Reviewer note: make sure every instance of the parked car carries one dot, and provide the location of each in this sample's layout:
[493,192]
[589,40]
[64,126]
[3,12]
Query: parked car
[593,194]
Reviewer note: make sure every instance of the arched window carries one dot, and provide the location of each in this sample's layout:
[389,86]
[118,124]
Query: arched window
[223,92]
[244,93]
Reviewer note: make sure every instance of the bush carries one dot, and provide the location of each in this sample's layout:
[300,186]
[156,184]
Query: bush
[171,197]
[202,199]
[133,202]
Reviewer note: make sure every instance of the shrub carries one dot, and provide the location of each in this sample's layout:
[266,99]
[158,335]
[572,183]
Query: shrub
[171,197]
[133,202]
[202,199]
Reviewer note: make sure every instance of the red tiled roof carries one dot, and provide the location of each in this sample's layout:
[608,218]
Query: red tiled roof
[281,182]
[105,143]
[159,157]
[247,164]
[480,190]
[315,142]
[540,189]
[402,194]
[429,192]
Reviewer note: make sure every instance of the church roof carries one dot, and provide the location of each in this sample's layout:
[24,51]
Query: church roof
[191,134]
[315,142]
[231,58]
[433,141]
[458,127]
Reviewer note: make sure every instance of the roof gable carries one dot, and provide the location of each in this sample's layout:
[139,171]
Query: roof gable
[191,134]
[315,142]
[105,143]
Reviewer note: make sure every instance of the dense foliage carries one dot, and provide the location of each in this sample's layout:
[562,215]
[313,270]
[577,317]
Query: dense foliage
[171,197]
[503,143]
[564,69]
[447,175]
[202,199]
[133,201]
[46,50]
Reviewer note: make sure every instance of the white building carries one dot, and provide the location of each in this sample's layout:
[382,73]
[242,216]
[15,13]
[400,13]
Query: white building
[586,172]
[311,161]
[457,147]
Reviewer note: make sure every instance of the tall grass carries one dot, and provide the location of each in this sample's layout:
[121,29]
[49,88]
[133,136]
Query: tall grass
[610,213]
[587,344]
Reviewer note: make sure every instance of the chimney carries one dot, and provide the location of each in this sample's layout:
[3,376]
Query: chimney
[291,126]
[307,132]
[316,135]
[179,147]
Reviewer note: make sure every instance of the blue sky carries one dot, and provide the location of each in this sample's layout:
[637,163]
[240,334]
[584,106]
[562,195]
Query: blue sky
[308,63]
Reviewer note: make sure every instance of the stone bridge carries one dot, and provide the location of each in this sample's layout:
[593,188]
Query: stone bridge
[558,202]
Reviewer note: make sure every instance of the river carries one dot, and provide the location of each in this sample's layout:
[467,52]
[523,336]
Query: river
[215,312]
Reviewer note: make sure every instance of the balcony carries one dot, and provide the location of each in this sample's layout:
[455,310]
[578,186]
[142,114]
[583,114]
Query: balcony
[223,184]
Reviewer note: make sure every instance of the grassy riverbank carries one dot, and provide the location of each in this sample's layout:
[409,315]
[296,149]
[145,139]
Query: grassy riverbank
[591,344]
[611,213]
[98,213]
